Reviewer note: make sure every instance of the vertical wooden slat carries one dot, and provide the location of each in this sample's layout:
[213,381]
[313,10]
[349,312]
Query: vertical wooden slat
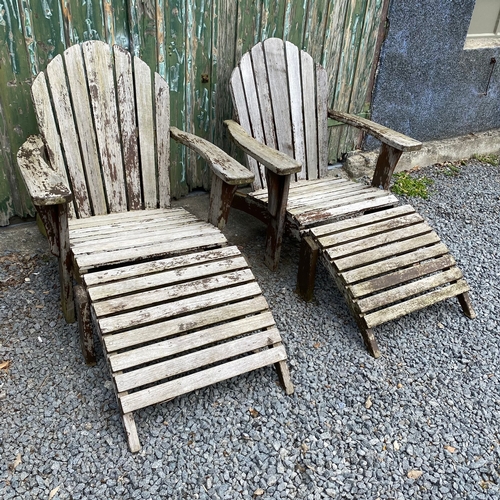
[47,126]
[145,124]
[322,110]
[128,126]
[316,27]
[310,121]
[276,71]
[296,108]
[296,16]
[100,78]
[73,59]
[163,139]
[69,139]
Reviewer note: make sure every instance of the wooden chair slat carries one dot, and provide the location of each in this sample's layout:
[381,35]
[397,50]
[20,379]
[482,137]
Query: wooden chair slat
[146,127]
[69,138]
[100,77]
[187,342]
[296,108]
[254,116]
[47,125]
[310,120]
[128,126]
[162,99]
[77,80]
[158,313]
[322,119]
[178,325]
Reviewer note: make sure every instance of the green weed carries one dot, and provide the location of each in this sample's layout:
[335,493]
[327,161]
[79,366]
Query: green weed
[491,159]
[409,186]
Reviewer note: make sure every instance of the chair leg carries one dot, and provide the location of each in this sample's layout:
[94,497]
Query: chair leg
[131,431]
[65,266]
[368,337]
[85,325]
[466,304]
[386,163]
[308,260]
[284,376]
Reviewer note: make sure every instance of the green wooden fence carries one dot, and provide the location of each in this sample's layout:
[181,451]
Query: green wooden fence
[194,44]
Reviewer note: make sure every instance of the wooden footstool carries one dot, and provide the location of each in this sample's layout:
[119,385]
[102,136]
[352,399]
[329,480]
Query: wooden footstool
[388,264]
[174,325]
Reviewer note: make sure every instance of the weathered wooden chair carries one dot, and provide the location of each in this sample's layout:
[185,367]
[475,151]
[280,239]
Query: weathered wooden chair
[280,100]
[175,307]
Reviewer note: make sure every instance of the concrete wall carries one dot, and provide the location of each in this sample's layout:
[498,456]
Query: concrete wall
[428,86]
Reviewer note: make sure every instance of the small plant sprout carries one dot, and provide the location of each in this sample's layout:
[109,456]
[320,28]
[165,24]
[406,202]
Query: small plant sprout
[406,185]
[491,159]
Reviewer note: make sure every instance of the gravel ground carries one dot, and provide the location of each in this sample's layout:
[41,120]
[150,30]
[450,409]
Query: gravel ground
[421,422]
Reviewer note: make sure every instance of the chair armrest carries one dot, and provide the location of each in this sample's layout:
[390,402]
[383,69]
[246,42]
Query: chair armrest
[222,165]
[384,134]
[45,185]
[274,160]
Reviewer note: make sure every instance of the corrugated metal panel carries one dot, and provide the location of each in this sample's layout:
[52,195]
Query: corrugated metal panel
[194,44]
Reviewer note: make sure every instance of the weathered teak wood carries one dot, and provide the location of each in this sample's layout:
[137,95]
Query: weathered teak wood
[389,264]
[280,98]
[176,308]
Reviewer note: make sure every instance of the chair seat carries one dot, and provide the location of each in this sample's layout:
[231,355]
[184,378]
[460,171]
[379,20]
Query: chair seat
[311,203]
[118,238]
[388,264]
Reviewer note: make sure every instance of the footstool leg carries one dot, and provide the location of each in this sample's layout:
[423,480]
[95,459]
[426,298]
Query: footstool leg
[284,376]
[85,325]
[131,431]
[309,252]
[466,304]
[369,338]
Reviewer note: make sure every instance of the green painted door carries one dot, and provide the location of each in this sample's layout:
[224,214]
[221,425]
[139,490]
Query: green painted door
[194,45]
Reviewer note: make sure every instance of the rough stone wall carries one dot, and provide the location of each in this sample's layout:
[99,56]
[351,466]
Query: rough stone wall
[428,86]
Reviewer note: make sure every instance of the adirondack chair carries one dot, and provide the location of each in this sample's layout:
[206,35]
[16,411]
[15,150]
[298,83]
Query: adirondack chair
[175,307]
[280,100]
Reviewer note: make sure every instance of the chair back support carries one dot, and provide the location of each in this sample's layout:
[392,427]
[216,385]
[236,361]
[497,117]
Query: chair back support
[280,98]
[106,127]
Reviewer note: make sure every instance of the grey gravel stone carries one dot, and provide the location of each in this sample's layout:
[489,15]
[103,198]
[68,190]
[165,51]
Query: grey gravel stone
[434,392]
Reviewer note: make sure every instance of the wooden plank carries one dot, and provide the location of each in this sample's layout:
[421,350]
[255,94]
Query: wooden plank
[415,304]
[178,291]
[101,83]
[401,276]
[145,124]
[323,196]
[47,125]
[195,360]
[143,269]
[326,214]
[165,278]
[296,106]
[73,60]
[179,325]
[130,240]
[131,431]
[262,84]
[100,259]
[364,231]
[162,98]
[128,126]
[245,91]
[184,306]
[344,225]
[378,241]
[280,101]
[393,263]
[322,119]
[310,120]
[347,200]
[68,136]
[391,250]
[137,215]
[102,233]
[183,385]
[193,340]
[402,292]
